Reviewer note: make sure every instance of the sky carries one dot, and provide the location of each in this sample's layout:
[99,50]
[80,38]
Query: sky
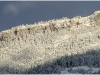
[14,13]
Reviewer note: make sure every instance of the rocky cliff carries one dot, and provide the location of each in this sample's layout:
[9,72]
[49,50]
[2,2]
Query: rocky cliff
[27,46]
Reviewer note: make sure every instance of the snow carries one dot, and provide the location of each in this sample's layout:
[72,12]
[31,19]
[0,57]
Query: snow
[96,12]
[92,69]
[50,46]
[81,67]
[95,70]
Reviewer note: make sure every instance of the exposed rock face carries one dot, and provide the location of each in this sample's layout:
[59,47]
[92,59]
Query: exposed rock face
[30,45]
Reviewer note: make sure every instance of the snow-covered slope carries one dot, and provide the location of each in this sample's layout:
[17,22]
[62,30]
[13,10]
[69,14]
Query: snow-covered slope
[27,46]
[80,69]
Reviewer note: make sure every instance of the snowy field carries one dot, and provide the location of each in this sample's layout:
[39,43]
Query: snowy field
[80,70]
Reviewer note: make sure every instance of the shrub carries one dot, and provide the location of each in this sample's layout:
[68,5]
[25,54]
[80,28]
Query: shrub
[97,18]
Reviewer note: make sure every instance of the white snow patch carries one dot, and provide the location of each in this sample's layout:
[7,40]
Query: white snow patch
[93,70]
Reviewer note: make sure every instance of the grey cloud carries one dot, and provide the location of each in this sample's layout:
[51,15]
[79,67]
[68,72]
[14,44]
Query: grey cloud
[15,8]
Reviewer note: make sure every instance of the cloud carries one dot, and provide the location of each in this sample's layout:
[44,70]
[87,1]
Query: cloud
[15,8]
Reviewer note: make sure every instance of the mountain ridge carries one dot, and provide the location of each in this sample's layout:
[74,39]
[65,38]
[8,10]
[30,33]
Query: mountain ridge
[49,26]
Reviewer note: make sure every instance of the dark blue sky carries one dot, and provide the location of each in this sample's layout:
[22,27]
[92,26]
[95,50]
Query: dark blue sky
[13,13]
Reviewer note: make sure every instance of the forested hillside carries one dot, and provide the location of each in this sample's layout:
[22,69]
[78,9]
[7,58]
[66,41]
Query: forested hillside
[51,46]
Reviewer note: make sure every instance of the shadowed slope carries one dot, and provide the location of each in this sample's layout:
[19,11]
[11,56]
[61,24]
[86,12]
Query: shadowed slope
[91,58]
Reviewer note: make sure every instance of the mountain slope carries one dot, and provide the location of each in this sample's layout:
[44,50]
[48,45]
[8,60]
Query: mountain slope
[27,46]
